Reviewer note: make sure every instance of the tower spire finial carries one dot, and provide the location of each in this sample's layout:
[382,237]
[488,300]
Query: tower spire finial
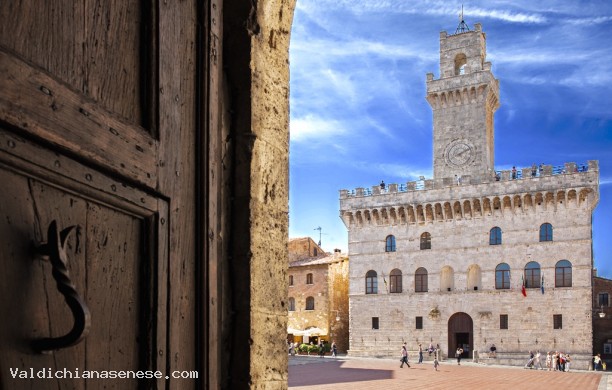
[463,27]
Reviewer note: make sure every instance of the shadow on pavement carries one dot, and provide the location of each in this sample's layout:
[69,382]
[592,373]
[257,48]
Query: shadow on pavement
[310,374]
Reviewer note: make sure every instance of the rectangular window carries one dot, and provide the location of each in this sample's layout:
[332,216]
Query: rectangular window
[374,322]
[503,321]
[607,348]
[557,321]
[419,322]
[604,300]
[290,280]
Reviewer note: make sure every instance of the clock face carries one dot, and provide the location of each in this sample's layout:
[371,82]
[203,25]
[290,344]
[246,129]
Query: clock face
[459,154]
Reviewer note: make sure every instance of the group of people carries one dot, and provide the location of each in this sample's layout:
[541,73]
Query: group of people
[555,361]
[293,347]
[431,350]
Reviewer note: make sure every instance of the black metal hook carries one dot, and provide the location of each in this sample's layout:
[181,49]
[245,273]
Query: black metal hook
[55,250]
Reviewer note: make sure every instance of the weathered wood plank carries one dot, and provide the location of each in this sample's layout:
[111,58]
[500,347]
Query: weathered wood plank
[177,69]
[40,105]
[73,175]
[114,259]
[93,46]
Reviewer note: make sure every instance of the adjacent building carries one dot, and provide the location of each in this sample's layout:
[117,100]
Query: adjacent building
[602,318]
[473,256]
[318,295]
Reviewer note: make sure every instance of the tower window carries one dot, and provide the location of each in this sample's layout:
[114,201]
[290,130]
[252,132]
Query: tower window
[425,241]
[546,232]
[502,276]
[395,279]
[390,244]
[495,236]
[532,275]
[460,64]
[420,280]
[563,274]
[371,282]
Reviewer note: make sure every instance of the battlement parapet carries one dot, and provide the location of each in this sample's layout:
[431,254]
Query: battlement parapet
[541,178]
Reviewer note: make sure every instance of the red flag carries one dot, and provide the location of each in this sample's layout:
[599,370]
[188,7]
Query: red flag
[523,287]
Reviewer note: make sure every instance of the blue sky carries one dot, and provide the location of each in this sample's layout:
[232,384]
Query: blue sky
[358,108]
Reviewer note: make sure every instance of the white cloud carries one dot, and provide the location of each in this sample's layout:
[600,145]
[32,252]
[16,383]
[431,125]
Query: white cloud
[436,8]
[312,127]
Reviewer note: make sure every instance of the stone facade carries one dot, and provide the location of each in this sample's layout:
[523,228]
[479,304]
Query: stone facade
[602,326]
[443,261]
[325,281]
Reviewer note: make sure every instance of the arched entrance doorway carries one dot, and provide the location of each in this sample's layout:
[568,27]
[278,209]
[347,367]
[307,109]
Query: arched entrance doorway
[460,333]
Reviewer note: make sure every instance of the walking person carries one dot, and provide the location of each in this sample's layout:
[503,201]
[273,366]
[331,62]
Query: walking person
[334,349]
[530,361]
[597,362]
[436,363]
[404,356]
[420,354]
[549,361]
[537,361]
[458,354]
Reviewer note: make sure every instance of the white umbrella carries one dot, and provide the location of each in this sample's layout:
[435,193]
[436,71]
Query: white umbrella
[314,331]
[295,332]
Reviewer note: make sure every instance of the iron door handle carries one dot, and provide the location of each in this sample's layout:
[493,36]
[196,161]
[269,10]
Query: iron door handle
[55,251]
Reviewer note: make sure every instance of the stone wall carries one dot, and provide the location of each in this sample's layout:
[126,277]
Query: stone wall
[254,55]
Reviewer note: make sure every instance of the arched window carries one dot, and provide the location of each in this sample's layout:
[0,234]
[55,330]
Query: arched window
[420,280]
[563,274]
[308,278]
[460,62]
[546,232]
[425,241]
[371,283]
[395,281]
[390,244]
[532,275]
[310,303]
[495,236]
[291,304]
[502,276]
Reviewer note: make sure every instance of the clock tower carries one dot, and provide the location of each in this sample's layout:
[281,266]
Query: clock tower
[463,101]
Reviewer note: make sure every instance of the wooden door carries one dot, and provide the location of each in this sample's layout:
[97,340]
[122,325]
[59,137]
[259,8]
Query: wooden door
[460,333]
[98,130]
